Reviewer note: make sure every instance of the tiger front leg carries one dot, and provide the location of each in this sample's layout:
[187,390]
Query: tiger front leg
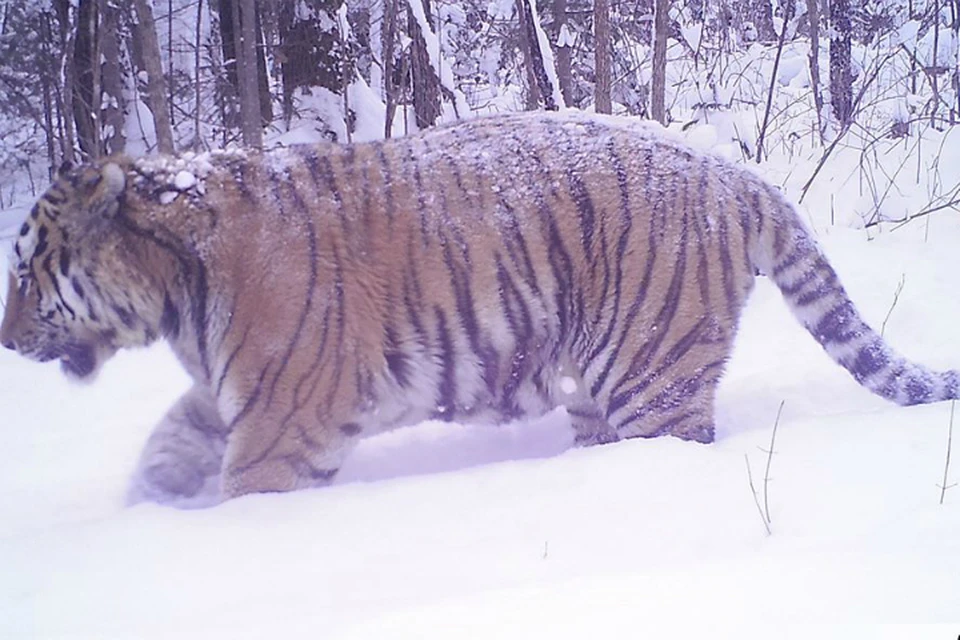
[180,463]
[272,453]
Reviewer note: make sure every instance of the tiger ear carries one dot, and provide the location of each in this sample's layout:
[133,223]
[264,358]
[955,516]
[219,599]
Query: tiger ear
[65,167]
[106,191]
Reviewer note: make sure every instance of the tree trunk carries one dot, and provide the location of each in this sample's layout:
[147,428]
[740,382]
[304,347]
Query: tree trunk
[247,77]
[563,51]
[86,79]
[64,99]
[388,38]
[601,34]
[955,76]
[46,83]
[532,99]
[841,79]
[156,97]
[227,82]
[115,139]
[170,103]
[541,87]
[763,20]
[658,82]
[263,85]
[197,135]
[813,17]
[312,51]
[934,64]
[426,85]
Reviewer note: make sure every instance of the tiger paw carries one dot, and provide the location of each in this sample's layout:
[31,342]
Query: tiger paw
[172,479]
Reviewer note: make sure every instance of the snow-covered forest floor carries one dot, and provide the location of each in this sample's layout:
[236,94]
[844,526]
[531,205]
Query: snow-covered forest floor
[444,531]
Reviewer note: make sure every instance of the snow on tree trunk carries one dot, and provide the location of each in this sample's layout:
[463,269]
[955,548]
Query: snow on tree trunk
[563,41]
[156,96]
[114,100]
[441,67]
[426,90]
[541,69]
[312,51]
[64,98]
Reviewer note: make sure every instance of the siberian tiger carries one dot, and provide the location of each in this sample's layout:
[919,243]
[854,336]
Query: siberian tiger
[486,271]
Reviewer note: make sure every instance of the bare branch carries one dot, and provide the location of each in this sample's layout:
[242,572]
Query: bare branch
[946,467]
[756,498]
[766,472]
[896,298]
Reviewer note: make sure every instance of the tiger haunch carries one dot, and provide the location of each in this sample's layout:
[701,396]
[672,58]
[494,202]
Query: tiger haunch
[486,271]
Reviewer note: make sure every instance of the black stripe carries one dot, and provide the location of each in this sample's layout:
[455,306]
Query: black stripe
[448,381]
[230,358]
[56,285]
[252,397]
[194,271]
[308,303]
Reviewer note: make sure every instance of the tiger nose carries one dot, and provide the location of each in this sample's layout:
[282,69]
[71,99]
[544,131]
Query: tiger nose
[10,344]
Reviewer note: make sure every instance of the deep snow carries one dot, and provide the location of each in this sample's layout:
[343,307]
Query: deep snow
[444,531]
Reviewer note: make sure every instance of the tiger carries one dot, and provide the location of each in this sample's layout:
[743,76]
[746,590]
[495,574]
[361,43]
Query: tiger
[482,272]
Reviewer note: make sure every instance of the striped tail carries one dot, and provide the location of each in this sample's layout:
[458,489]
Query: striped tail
[789,255]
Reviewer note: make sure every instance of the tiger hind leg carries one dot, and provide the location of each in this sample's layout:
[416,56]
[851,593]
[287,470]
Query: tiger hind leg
[683,408]
[180,463]
[590,425]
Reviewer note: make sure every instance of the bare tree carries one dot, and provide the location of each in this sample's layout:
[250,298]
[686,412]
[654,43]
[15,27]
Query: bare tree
[601,34]
[198,44]
[541,89]
[563,51]
[388,38]
[156,92]
[813,19]
[787,16]
[47,81]
[658,82]
[426,85]
[841,78]
[64,98]
[247,76]
[86,78]
[114,102]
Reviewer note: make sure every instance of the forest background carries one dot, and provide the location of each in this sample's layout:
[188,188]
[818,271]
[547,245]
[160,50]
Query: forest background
[83,78]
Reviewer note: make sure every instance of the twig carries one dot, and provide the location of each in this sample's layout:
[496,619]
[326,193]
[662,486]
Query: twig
[896,298]
[946,467]
[756,498]
[766,472]
[953,204]
[773,80]
[833,145]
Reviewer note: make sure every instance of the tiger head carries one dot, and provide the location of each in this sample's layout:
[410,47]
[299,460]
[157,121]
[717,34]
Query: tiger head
[69,282]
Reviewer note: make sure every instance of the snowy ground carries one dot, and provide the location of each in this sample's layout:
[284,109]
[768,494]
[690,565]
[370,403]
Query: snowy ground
[444,531]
